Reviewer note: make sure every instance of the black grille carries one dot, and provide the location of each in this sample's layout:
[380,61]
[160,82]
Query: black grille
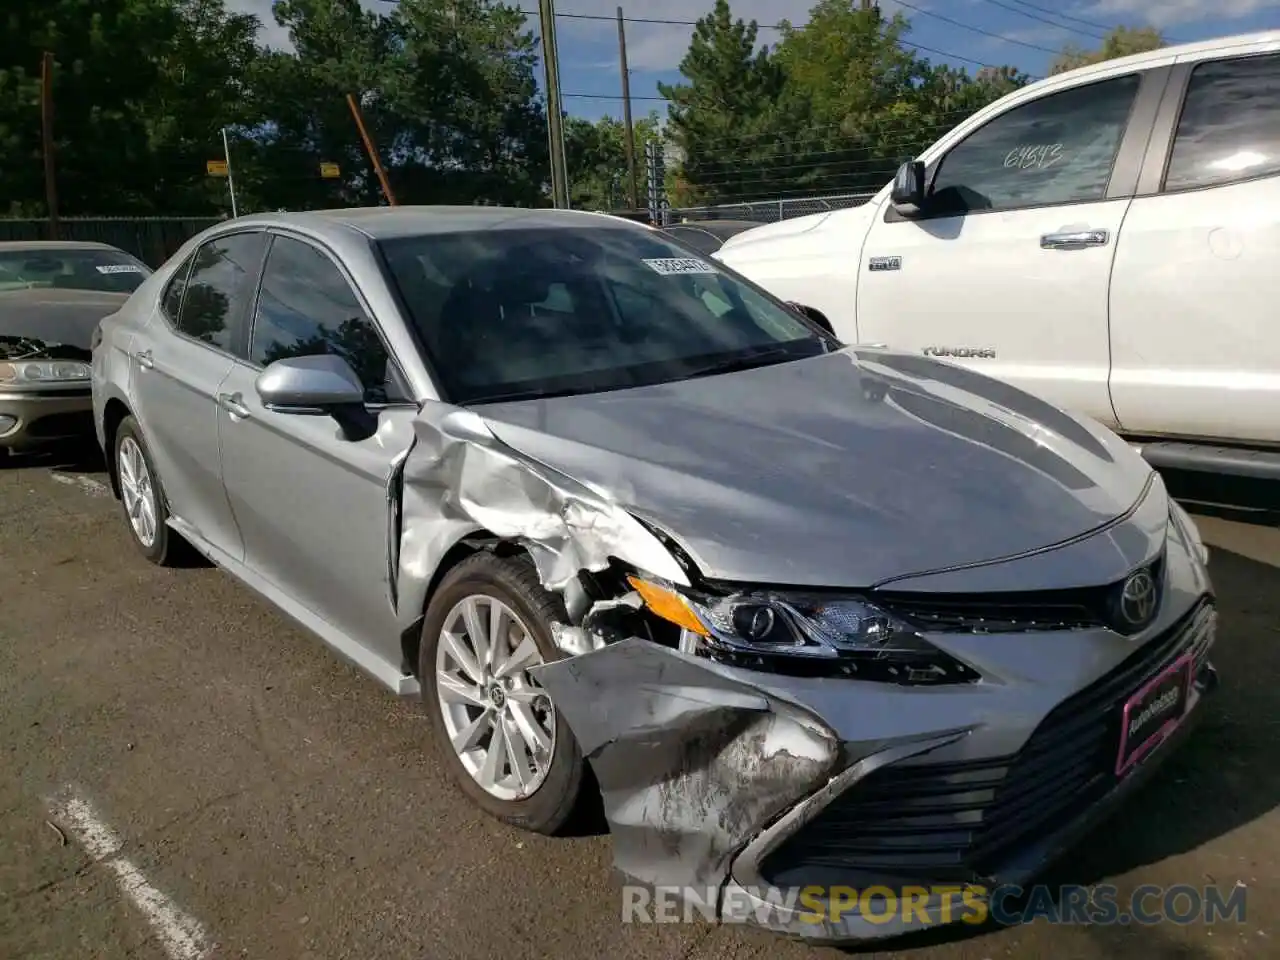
[1022,612]
[62,425]
[957,822]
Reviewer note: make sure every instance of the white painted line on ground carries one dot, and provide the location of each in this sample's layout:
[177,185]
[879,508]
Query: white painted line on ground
[181,935]
[95,488]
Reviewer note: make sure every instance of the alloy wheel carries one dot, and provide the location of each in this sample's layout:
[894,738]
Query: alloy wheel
[137,491]
[500,722]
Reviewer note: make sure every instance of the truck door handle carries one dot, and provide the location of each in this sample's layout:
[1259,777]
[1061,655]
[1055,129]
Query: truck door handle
[145,360]
[230,402]
[1075,239]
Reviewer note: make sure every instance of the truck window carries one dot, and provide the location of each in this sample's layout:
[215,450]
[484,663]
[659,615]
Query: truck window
[1059,148]
[1230,124]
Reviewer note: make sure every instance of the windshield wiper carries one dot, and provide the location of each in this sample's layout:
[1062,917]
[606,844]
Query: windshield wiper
[517,395]
[747,361]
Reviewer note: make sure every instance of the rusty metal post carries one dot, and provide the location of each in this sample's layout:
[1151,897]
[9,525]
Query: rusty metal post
[372,150]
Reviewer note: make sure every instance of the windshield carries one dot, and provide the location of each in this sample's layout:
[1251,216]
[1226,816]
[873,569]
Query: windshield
[517,312]
[108,271]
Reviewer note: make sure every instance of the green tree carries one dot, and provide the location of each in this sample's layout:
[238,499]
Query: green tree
[867,100]
[597,160]
[471,123]
[724,118]
[447,91]
[141,88]
[854,101]
[1120,42]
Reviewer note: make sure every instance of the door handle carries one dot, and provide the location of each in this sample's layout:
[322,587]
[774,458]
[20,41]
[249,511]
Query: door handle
[1075,239]
[145,360]
[230,402]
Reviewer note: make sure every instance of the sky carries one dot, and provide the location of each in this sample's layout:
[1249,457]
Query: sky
[965,33]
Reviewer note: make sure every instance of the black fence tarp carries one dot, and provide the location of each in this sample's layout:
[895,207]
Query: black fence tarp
[151,239]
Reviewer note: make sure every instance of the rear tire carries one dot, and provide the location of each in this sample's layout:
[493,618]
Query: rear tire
[499,716]
[146,512]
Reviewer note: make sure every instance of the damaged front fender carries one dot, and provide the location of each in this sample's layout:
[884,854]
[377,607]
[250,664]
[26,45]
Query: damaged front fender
[692,763]
[458,479]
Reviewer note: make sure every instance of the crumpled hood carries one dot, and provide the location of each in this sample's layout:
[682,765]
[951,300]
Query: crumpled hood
[844,470]
[53,315]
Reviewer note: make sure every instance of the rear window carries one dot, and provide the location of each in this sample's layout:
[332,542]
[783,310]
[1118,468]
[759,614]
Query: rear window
[108,271]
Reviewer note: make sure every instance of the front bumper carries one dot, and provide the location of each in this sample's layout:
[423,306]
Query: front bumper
[741,787]
[31,418]
[912,826]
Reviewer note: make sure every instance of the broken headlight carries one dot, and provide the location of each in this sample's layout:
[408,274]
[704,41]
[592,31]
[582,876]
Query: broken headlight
[816,635]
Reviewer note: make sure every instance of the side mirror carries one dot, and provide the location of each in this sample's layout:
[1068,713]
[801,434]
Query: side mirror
[907,196]
[317,386]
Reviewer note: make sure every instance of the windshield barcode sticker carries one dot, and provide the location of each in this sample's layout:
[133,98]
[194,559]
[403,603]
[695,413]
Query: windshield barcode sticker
[676,266]
[120,268]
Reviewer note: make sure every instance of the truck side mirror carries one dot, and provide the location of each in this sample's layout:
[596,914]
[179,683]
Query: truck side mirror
[907,196]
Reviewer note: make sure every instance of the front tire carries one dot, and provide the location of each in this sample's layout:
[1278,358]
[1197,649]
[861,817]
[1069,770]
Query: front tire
[146,512]
[497,731]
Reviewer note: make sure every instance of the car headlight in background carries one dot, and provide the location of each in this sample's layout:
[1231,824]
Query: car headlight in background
[795,633]
[1190,532]
[44,371]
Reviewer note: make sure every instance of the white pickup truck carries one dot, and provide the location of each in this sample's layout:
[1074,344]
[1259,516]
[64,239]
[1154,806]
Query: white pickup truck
[1107,238]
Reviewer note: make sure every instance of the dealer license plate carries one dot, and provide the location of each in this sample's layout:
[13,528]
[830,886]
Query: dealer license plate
[1154,712]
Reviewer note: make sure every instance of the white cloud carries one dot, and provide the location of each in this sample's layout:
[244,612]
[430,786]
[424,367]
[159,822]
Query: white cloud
[1167,13]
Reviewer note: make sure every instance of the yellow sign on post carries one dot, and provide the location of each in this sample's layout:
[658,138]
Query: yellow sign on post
[216,168]
[329,171]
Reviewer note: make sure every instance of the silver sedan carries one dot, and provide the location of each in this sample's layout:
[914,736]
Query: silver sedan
[52,295]
[812,615]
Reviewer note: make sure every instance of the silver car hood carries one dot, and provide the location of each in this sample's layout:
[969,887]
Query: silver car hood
[846,470]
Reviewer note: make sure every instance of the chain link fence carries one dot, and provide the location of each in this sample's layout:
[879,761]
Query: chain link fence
[766,211]
[151,239]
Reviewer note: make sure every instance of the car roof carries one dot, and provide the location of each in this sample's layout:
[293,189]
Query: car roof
[1183,52]
[23,246]
[387,223]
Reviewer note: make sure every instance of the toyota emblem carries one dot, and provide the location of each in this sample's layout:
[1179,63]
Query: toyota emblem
[1138,599]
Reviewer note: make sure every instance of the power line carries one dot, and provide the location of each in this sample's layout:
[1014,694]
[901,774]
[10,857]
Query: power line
[779,26]
[776,26]
[1088,23]
[1092,33]
[968,26]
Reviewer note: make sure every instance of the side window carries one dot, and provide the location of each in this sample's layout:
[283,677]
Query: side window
[219,288]
[172,302]
[306,307]
[1230,124]
[1057,149]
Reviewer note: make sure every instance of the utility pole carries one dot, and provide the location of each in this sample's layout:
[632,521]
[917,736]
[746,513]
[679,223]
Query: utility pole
[46,138]
[371,150]
[633,190]
[555,115]
[231,179]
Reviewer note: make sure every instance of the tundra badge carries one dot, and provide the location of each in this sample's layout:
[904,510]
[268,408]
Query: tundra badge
[977,353]
[884,263]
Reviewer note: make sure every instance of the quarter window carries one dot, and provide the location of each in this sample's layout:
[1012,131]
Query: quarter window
[306,307]
[1059,148]
[1230,124]
[219,288]
[173,293]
